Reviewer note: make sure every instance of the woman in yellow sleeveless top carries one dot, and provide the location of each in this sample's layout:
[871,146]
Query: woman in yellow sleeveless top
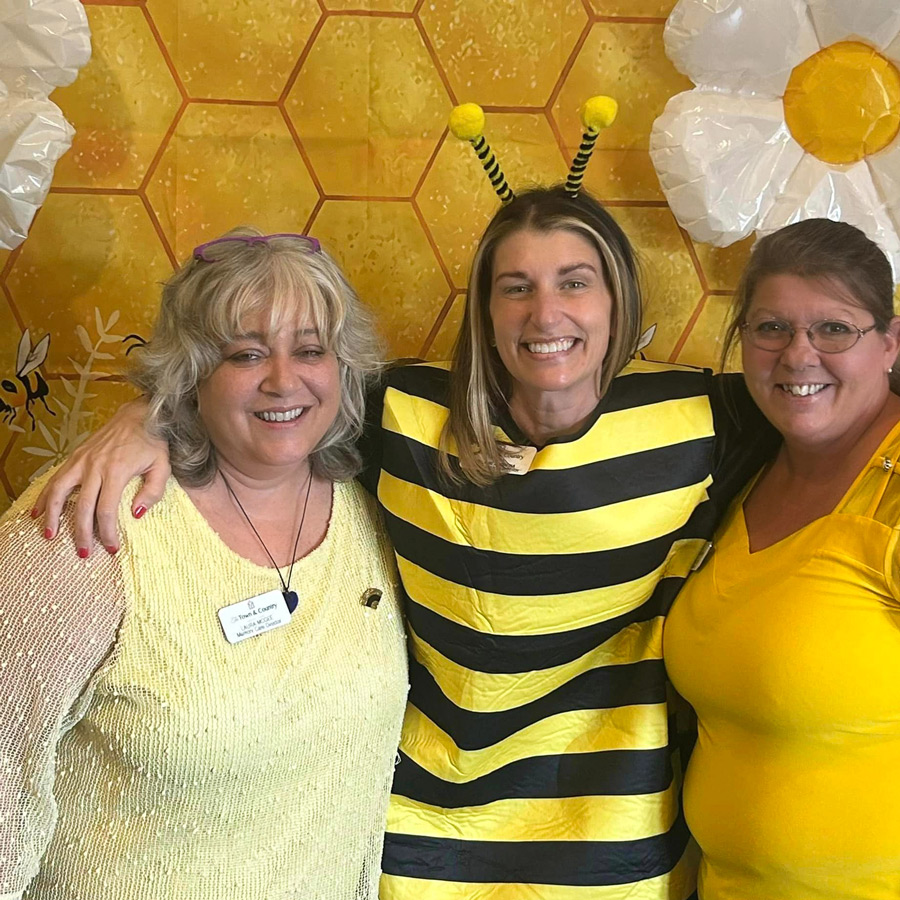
[787,641]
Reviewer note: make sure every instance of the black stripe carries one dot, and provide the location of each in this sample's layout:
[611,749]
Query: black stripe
[530,575]
[427,382]
[578,488]
[507,654]
[608,687]
[613,773]
[586,863]
[627,392]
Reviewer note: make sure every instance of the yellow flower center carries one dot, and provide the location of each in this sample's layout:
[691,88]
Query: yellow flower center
[843,103]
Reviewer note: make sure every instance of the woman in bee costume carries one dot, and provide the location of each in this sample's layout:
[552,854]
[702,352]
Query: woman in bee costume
[546,494]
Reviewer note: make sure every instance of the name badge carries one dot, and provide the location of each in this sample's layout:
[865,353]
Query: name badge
[518,459]
[255,616]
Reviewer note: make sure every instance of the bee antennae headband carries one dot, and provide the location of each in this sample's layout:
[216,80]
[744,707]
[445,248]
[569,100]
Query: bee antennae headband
[467,124]
[596,114]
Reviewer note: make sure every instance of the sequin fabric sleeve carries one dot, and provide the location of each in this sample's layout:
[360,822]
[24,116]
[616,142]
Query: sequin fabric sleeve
[58,621]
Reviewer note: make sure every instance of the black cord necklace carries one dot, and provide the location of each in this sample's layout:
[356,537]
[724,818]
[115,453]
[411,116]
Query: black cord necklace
[290,597]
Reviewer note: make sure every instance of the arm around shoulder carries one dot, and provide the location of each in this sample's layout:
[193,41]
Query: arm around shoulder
[102,466]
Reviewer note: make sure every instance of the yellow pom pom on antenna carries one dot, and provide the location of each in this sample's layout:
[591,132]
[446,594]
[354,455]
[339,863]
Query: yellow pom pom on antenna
[599,112]
[467,121]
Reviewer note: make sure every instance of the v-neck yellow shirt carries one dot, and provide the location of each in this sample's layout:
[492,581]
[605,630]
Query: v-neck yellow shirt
[791,658]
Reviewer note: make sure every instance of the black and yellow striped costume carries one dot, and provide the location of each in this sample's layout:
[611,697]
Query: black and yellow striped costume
[538,758]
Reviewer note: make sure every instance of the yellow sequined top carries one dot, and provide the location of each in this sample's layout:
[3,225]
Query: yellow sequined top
[791,658]
[144,757]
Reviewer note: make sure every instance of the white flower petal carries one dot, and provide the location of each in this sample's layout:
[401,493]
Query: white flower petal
[33,136]
[892,51]
[749,46]
[721,161]
[874,21]
[885,170]
[845,193]
[43,44]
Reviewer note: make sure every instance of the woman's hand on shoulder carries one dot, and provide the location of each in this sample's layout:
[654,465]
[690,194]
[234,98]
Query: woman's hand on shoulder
[102,466]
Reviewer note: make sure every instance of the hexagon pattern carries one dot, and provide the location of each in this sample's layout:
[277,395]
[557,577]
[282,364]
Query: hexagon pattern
[369,105]
[234,49]
[205,184]
[196,115]
[395,270]
[121,106]
[503,52]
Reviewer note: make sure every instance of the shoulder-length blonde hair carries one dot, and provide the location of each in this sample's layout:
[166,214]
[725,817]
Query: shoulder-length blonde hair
[479,384]
[203,306]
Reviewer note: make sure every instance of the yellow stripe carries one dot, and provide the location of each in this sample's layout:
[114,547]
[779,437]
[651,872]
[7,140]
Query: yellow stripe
[413,416]
[609,528]
[489,692]
[582,731]
[612,818]
[615,434]
[542,613]
[676,885]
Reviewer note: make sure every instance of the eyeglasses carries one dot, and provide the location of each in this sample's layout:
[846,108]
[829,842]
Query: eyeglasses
[202,252]
[827,336]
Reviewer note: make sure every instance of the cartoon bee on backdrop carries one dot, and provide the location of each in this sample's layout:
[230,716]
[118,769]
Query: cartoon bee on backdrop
[27,386]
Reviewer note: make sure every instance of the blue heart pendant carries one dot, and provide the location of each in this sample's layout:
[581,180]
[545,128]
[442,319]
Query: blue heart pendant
[291,599]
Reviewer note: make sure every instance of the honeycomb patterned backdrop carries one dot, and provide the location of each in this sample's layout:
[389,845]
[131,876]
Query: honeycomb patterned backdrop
[327,116]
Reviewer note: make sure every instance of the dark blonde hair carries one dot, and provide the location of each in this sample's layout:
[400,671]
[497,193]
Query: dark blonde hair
[839,256]
[203,306]
[479,384]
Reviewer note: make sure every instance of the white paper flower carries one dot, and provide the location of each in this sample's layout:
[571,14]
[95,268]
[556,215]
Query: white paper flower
[43,44]
[795,115]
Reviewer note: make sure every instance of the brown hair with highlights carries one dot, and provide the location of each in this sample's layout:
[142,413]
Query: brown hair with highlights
[479,385]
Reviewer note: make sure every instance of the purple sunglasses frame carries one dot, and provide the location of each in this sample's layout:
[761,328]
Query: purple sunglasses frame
[314,245]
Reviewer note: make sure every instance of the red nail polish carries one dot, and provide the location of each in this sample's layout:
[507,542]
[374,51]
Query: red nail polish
[83,552]
[35,513]
[139,511]
[112,550]
[48,533]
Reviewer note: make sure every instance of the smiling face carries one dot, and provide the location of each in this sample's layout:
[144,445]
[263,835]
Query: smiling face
[816,399]
[550,310]
[271,399]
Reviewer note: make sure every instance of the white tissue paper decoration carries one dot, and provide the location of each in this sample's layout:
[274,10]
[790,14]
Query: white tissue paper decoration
[43,44]
[725,155]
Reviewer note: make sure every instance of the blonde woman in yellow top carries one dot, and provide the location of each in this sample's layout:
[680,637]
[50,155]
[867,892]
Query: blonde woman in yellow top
[213,711]
[787,641]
